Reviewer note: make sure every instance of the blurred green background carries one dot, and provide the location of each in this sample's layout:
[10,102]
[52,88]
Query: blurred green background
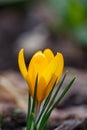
[73,18]
[57,24]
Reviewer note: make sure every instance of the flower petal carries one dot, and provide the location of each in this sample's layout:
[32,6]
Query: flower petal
[36,66]
[50,85]
[60,66]
[41,90]
[21,63]
[49,54]
[38,62]
[53,71]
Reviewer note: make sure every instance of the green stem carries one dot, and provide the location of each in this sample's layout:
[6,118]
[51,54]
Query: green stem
[32,112]
[56,93]
[29,110]
[46,116]
[45,103]
[48,102]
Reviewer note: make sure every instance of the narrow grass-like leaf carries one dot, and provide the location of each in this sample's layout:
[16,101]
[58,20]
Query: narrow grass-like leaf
[46,116]
[49,96]
[35,93]
[29,111]
[59,87]
[56,93]
[53,98]
[44,121]
[45,104]
[63,93]
[30,119]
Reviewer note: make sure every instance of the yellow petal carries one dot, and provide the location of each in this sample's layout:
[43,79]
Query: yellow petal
[36,66]
[50,85]
[51,69]
[21,63]
[31,78]
[60,66]
[38,62]
[49,54]
[30,84]
[41,90]
[48,67]
[52,72]
[44,89]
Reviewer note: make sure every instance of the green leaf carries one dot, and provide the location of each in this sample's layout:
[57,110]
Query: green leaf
[57,91]
[46,115]
[45,104]
[29,110]
[31,116]
[63,93]
[44,121]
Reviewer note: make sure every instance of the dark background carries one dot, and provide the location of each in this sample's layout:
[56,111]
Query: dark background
[57,24]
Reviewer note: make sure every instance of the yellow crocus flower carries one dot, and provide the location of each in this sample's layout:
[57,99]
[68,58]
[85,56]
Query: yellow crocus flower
[49,68]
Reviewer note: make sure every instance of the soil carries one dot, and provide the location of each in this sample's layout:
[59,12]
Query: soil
[70,114]
[13,119]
